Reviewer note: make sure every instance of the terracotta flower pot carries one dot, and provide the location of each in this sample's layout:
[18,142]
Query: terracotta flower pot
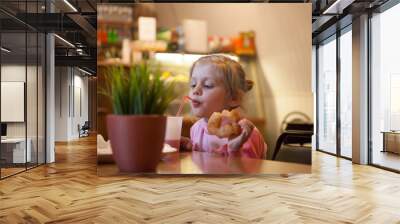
[136,141]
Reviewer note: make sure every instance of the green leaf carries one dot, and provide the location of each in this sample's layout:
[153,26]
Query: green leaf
[138,90]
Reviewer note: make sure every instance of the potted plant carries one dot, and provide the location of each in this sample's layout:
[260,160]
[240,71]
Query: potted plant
[139,98]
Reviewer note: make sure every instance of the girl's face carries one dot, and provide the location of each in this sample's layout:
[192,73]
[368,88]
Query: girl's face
[207,91]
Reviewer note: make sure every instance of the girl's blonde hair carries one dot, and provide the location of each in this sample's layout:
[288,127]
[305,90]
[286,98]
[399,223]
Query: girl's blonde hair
[232,73]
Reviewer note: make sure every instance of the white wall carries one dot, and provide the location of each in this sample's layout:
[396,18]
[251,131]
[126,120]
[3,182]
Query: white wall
[80,88]
[69,85]
[61,103]
[283,41]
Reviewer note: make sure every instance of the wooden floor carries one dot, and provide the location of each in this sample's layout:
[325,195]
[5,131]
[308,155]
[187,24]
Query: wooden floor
[5,172]
[69,191]
[10,171]
[387,159]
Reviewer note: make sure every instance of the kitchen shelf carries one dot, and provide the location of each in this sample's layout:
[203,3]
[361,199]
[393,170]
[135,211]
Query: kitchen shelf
[115,23]
[117,63]
[112,63]
[117,44]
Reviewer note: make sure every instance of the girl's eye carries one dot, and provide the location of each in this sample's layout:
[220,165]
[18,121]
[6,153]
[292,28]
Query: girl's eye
[192,85]
[208,86]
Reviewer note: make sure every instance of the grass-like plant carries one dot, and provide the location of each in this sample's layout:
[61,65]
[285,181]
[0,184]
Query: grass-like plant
[138,90]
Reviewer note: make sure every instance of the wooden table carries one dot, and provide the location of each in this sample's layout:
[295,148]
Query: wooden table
[211,163]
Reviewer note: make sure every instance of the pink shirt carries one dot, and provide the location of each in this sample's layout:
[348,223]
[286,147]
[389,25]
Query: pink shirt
[254,147]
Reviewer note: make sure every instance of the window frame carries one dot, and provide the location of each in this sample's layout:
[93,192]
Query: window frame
[381,9]
[334,37]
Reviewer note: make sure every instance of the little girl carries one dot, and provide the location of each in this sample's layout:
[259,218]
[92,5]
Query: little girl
[218,83]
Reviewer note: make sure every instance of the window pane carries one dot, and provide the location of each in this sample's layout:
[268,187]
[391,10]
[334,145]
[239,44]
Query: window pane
[31,99]
[327,97]
[41,98]
[386,89]
[345,94]
[15,150]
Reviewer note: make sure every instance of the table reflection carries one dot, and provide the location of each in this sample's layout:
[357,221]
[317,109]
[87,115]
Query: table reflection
[211,163]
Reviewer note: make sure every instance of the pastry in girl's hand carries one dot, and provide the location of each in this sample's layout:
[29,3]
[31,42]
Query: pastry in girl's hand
[225,124]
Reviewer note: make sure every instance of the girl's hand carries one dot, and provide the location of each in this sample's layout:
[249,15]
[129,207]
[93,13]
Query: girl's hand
[186,144]
[236,143]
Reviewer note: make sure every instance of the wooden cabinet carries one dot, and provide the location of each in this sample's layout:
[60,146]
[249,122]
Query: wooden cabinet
[391,142]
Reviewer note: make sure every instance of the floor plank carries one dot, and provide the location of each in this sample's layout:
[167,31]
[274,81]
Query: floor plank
[387,159]
[69,191]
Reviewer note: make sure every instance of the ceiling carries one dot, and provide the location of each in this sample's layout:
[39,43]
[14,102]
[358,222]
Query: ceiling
[332,15]
[76,22]
[72,20]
